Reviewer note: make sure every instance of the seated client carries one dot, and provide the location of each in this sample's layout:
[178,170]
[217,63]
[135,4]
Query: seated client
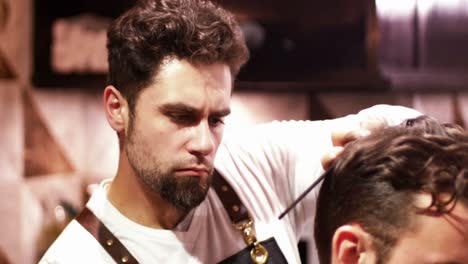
[397,196]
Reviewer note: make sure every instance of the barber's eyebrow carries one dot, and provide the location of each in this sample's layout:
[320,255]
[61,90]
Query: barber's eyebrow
[184,108]
[222,112]
[177,107]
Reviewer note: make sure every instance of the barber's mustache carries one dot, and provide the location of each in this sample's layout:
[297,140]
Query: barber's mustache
[197,163]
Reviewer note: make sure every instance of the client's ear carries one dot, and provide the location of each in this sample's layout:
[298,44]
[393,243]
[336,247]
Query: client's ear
[352,244]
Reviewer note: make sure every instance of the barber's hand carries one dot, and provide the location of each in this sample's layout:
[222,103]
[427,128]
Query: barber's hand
[340,138]
[368,120]
[343,136]
[330,156]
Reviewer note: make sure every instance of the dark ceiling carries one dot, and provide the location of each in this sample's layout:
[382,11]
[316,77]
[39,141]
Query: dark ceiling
[307,13]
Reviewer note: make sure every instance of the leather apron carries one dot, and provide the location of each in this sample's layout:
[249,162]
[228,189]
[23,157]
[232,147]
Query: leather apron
[261,252]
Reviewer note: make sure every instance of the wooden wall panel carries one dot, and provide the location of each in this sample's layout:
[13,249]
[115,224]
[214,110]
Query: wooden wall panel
[43,154]
[15,38]
[11,170]
[11,139]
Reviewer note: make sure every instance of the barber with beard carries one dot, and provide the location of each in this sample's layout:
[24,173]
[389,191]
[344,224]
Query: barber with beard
[182,193]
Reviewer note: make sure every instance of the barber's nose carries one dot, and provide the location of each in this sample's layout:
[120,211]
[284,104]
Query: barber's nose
[202,142]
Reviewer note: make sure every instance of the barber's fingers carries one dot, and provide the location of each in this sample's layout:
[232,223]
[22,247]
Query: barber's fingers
[330,156]
[342,137]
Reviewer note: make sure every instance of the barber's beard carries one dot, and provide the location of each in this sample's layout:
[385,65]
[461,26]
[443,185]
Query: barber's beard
[182,192]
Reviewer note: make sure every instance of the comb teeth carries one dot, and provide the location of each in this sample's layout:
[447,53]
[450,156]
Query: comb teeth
[298,199]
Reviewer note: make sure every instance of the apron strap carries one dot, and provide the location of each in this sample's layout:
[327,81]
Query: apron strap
[231,202]
[240,218]
[104,236]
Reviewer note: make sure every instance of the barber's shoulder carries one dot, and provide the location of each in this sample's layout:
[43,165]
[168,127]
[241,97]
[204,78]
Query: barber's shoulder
[265,130]
[75,245]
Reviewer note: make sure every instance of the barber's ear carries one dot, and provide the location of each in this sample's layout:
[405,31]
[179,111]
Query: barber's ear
[116,108]
[351,244]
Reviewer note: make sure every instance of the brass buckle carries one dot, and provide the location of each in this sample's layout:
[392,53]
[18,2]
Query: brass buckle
[258,254]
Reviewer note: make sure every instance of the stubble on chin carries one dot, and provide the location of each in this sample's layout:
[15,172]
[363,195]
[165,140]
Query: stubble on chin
[183,193]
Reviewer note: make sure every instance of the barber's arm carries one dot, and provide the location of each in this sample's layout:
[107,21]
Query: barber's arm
[282,159]
[351,127]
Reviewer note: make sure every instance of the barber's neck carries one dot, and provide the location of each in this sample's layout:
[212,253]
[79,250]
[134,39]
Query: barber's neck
[134,200]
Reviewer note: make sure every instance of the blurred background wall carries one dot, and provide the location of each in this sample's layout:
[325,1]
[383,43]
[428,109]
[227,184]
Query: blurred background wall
[310,60]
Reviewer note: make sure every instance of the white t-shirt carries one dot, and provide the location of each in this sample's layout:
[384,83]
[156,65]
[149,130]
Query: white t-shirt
[268,167]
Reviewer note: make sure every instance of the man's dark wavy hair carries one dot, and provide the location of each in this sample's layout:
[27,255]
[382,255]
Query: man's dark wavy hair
[375,179]
[141,39]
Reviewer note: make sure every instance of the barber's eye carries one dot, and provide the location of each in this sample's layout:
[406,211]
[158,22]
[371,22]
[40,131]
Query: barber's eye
[182,119]
[216,121]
